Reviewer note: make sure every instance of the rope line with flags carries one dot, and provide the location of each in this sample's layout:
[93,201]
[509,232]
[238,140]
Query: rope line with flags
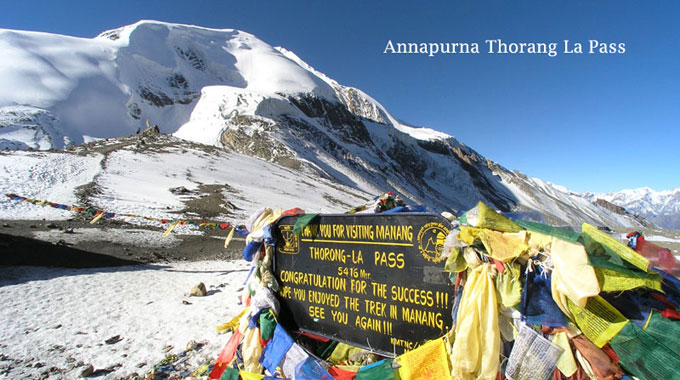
[99,214]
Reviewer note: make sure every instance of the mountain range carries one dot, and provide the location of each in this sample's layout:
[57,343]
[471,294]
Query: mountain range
[228,89]
[660,207]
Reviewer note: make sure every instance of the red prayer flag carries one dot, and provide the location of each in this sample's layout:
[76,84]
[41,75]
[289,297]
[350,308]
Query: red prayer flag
[226,355]
[341,374]
[314,336]
[293,212]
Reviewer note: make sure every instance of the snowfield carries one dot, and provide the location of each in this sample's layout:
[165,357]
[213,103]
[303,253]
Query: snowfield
[55,317]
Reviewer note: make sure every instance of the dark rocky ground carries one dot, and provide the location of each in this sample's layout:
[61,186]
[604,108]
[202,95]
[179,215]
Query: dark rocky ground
[59,246]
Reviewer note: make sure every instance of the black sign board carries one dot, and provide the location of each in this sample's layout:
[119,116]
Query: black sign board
[372,280]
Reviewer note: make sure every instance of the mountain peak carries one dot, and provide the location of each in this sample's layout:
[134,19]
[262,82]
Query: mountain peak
[227,88]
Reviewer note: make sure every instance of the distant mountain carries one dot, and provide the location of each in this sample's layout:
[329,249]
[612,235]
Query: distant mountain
[227,88]
[659,207]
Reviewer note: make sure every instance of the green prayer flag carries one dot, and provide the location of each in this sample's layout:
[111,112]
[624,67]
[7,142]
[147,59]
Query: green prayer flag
[665,330]
[267,324]
[381,370]
[230,373]
[545,229]
[326,350]
[643,356]
[302,222]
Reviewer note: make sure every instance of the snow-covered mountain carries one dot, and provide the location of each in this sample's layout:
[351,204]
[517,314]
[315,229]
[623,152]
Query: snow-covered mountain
[227,88]
[660,207]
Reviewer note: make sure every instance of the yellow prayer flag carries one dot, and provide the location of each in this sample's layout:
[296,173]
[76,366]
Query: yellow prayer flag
[483,216]
[509,285]
[200,371]
[233,323]
[613,281]
[599,320]
[229,236]
[468,234]
[616,246]
[245,375]
[456,261]
[267,217]
[100,214]
[350,368]
[476,350]
[538,241]
[504,246]
[572,277]
[252,350]
[566,363]
[343,353]
[172,227]
[426,362]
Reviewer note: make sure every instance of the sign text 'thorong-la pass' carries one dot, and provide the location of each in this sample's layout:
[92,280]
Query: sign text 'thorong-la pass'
[371,280]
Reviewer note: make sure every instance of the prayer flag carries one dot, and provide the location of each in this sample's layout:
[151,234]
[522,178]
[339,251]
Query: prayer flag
[381,370]
[341,374]
[294,357]
[275,350]
[226,355]
[310,369]
[599,320]
[426,362]
[230,373]
[245,375]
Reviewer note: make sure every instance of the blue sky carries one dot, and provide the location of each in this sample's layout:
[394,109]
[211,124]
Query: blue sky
[590,122]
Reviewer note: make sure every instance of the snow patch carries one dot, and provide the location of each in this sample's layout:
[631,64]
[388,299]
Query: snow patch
[51,314]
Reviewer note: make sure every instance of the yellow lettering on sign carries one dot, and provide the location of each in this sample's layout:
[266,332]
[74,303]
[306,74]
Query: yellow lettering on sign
[390,260]
[314,280]
[351,303]
[373,324]
[321,298]
[419,297]
[285,292]
[339,231]
[394,232]
[357,286]
[327,254]
[317,312]
[359,232]
[422,317]
[402,343]
[376,308]
[379,290]
[310,230]
[339,317]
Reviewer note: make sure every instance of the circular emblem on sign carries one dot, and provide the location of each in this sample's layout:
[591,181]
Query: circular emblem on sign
[431,241]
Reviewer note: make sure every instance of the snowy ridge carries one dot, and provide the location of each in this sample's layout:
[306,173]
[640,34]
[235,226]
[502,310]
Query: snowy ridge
[228,89]
[128,178]
[662,207]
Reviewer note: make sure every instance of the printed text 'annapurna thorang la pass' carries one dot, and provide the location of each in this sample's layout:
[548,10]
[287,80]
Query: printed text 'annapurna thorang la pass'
[498,46]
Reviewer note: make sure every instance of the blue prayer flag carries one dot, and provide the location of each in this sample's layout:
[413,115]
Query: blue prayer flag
[310,369]
[276,349]
[538,306]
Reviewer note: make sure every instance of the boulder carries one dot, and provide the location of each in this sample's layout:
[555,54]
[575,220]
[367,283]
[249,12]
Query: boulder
[198,290]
